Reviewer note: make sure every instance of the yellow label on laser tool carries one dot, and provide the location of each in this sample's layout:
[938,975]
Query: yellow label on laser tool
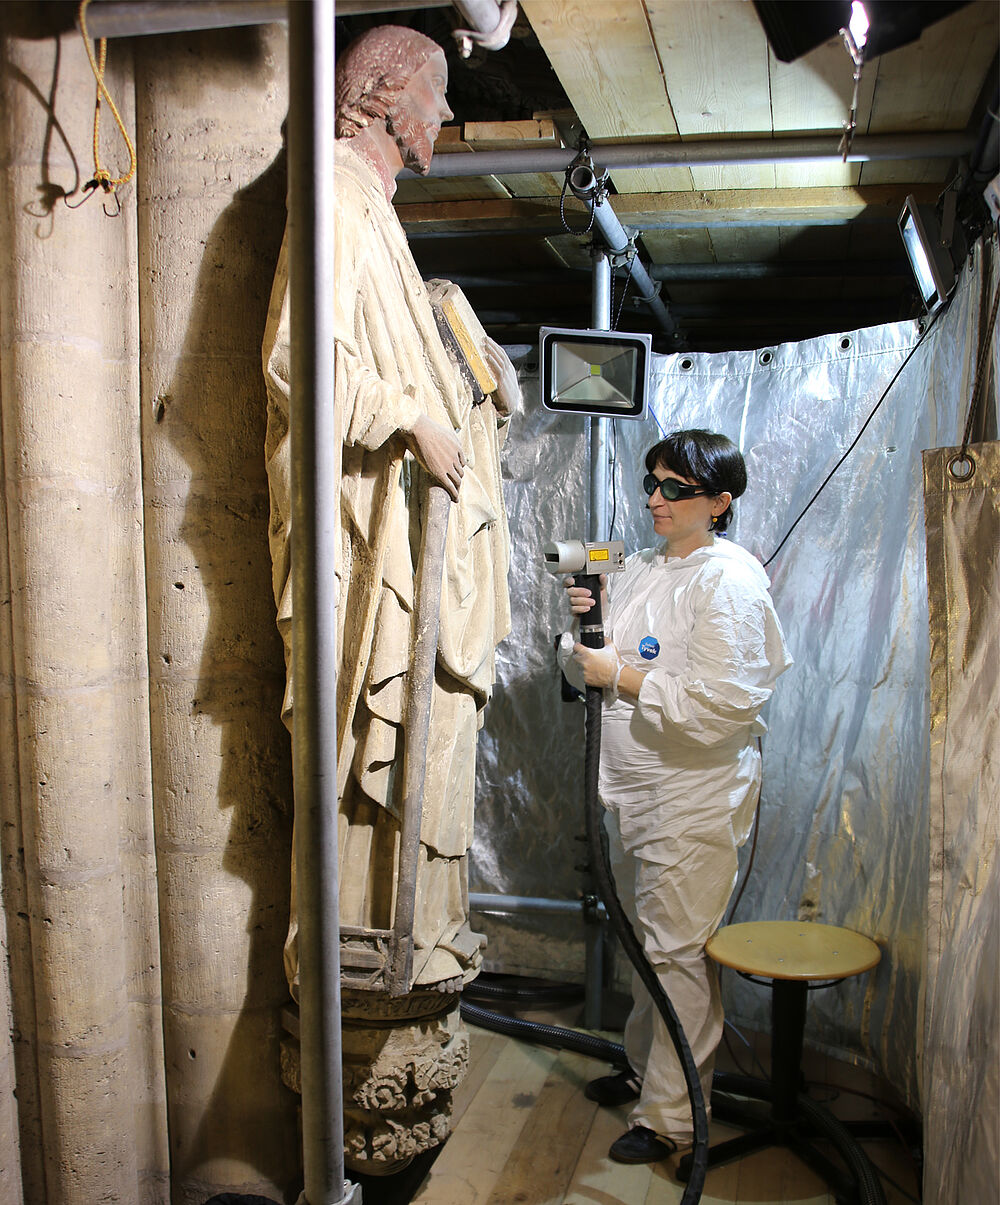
[598,554]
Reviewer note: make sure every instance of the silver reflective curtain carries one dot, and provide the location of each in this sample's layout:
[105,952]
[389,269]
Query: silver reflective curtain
[843,822]
[961,1066]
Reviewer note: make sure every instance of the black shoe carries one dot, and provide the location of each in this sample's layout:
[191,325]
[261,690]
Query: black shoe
[639,1145]
[614,1090]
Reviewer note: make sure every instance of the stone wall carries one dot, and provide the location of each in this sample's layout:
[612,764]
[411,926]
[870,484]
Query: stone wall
[145,786]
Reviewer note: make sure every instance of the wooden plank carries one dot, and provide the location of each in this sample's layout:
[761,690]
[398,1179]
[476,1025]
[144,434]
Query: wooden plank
[463,188]
[604,56]
[598,1178]
[688,246]
[449,142]
[570,250]
[510,135]
[933,84]
[515,135]
[736,244]
[467,1169]
[485,1049]
[813,94]
[670,211]
[541,1165]
[722,1184]
[715,64]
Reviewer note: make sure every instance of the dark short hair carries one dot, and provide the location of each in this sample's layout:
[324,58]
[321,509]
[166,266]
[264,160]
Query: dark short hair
[706,457]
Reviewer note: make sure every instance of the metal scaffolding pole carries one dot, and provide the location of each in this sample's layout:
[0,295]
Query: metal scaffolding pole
[869,148]
[586,187]
[315,448]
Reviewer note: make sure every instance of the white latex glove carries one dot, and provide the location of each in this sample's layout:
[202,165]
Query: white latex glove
[439,451]
[600,667]
[507,397]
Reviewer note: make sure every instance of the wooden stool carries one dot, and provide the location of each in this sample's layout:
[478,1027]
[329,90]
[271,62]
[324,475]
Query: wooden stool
[791,954]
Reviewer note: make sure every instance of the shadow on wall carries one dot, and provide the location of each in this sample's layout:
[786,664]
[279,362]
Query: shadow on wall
[250,1117]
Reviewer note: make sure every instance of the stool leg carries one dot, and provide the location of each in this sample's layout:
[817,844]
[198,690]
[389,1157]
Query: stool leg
[788,1020]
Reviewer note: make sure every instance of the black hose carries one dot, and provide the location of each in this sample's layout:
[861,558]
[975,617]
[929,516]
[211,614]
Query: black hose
[537,993]
[826,1126]
[597,843]
[546,1035]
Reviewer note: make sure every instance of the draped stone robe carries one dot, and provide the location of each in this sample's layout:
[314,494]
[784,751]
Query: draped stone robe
[391,367]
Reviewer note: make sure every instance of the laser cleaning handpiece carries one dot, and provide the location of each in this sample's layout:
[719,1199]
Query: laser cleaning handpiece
[586,562]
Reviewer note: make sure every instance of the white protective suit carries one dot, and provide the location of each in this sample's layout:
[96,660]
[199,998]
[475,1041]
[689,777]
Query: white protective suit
[679,779]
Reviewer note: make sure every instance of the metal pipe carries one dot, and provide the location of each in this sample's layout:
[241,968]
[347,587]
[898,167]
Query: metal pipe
[529,905]
[584,185]
[871,148]
[600,320]
[136,18]
[794,269]
[315,447]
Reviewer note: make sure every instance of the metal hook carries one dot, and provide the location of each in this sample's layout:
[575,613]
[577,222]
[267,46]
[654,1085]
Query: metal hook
[89,189]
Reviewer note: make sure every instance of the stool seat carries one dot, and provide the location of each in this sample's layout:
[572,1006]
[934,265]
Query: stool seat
[778,949]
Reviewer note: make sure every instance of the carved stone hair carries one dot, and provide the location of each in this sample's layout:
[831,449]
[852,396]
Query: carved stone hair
[373,71]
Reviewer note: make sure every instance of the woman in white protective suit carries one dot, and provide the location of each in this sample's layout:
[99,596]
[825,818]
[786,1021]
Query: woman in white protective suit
[693,649]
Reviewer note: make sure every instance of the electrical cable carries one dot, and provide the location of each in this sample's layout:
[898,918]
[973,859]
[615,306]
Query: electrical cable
[611,469]
[854,442]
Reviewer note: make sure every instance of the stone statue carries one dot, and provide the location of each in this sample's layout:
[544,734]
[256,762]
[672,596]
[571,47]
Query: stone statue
[406,415]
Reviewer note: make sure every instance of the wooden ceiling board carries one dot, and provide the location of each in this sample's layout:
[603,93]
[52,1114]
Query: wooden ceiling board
[933,84]
[441,188]
[667,211]
[604,56]
[518,135]
[741,244]
[714,59]
[812,94]
[569,250]
[814,242]
[678,246]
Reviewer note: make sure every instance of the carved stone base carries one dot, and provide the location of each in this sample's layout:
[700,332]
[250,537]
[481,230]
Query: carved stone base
[400,1070]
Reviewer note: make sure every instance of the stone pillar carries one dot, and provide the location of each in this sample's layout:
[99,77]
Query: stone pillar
[211,215]
[85,965]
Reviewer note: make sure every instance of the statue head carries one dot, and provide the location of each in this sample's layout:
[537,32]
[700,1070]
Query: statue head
[398,76]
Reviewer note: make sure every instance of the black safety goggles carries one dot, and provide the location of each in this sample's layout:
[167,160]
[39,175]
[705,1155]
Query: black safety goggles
[671,489]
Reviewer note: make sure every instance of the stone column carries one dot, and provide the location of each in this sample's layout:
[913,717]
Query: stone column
[211,215]
[85,954]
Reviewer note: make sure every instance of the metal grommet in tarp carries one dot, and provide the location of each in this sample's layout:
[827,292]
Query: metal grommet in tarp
[962,466]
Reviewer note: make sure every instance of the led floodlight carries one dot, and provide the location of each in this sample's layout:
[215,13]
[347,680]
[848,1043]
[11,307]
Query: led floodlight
[601,373]
[931,262]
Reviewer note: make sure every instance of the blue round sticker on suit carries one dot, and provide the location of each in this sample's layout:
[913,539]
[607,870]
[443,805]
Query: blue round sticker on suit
[649,646]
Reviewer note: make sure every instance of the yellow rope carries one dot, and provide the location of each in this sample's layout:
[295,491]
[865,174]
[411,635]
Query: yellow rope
[102,176]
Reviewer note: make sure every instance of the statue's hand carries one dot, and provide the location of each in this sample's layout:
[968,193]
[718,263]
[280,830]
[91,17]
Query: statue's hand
[439,451]
[507,397]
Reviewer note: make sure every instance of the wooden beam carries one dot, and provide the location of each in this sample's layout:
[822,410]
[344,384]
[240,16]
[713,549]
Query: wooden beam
[677,210]
[604,55]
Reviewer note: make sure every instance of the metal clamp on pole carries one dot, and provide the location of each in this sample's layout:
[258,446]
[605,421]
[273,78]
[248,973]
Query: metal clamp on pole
[587,186]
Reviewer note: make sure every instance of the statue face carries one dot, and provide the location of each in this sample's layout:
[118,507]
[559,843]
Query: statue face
[420,112]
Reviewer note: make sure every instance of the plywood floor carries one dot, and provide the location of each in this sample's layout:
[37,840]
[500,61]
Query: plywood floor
[524,1134]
